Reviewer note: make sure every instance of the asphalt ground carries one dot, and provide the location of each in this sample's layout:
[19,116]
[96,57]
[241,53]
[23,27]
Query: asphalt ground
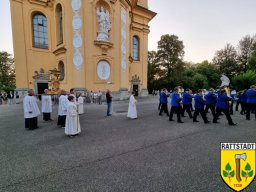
[115,154]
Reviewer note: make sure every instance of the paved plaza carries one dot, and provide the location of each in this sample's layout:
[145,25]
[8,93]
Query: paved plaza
[115,154]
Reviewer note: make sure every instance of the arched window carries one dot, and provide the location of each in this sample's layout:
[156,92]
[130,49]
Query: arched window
[135,48]
[40,33]
[62,70]
[59,24]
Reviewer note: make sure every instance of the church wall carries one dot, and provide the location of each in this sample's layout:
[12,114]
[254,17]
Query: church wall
[29,59]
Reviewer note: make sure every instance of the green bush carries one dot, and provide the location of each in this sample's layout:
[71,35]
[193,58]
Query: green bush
[244,80]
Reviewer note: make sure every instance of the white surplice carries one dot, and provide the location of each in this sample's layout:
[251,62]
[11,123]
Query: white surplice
[80,105]
[72,120]
[30,107]
[46,104]
[63,104]
[132,112]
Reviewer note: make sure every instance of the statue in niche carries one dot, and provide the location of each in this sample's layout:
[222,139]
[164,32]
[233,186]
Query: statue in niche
[104,24]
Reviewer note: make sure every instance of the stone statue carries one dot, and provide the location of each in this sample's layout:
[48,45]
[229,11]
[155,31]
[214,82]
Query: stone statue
[104,24]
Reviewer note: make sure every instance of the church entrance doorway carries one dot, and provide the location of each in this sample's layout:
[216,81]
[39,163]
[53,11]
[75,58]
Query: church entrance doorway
[136,89]
[40,89]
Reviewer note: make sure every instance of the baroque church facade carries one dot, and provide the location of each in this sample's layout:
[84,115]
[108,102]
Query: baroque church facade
[95,44]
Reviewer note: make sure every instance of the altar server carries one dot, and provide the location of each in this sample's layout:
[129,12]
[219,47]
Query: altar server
[31,110]
[62,110]
[80,102]
[46,106]
[72,127]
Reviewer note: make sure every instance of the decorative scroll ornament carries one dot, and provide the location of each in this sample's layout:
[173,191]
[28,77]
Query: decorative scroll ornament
[123,39]
[77,22]
[103,70]
[76,5]
[77,39]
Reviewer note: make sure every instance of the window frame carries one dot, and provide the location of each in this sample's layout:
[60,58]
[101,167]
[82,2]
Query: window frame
[137,49]
[40,38]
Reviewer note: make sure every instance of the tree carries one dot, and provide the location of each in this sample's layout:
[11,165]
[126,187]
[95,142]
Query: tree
[153,70]
[170,54]
[252,62]
[244,80]
[7,72]
[225,59]
[199,82]
[244,50]
[211,72]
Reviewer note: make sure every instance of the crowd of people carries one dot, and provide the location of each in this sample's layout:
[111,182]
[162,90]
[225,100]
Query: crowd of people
[10,98]
[218,101]
[70,106]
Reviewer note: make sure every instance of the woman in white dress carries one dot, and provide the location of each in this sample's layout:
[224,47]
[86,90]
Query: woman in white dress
[80,104]
[72,119]
[132,111]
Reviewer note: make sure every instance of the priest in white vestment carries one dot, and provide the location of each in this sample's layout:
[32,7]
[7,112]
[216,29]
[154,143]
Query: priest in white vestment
[80,104]
[72,119]
[62,109]
[31,110]
[46,106]
[132,112]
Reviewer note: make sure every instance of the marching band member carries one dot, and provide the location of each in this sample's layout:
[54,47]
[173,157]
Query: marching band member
[175,105]
[222,106]
[210,101]
[251,101]
[164,100]
[187,101]
[199,107]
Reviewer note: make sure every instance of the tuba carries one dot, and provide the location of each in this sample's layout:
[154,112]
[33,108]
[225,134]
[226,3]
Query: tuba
[227,91]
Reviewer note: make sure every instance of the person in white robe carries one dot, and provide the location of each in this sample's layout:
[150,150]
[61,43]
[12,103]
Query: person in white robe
[46,106]
[31,110]
[72,127]
[80,104]
[62,109]
[72,93]
[132,112]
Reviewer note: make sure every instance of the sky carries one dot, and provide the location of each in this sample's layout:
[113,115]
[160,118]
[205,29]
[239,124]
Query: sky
[204,26]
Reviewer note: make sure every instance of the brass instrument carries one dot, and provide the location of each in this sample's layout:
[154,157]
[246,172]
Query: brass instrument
[227,91]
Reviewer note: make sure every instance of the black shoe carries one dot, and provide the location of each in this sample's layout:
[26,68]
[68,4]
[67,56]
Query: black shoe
[233,124]
[180,122]
[160,114]
[171,120]
[215,122]
[195,121]
[207,122]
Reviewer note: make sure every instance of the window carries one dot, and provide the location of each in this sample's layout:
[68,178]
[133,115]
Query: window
[135,48]
[59,24]
[40,33]
[62,70]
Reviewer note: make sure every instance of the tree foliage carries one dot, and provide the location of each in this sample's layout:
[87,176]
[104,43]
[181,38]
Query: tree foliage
[170,54]
[167,68]
[7,72]
[244,80]
[225,59]
[245,49]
